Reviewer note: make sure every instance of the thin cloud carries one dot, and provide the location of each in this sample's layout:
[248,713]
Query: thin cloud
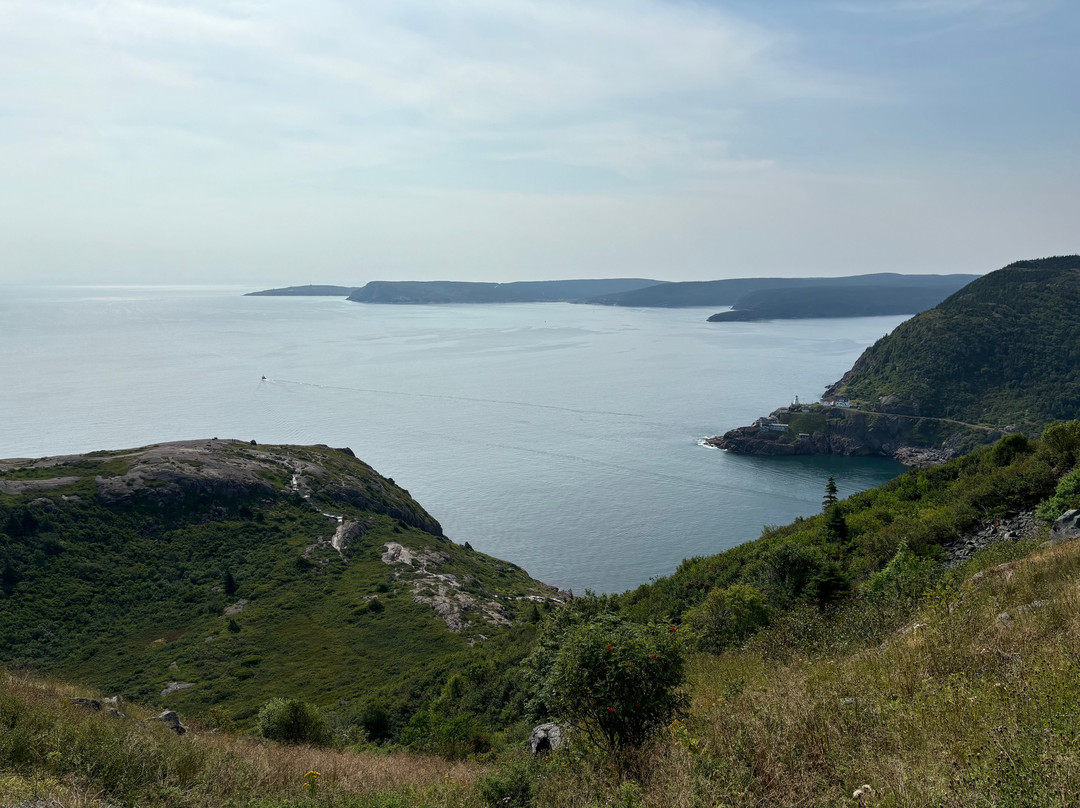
[390,82]
[997,9]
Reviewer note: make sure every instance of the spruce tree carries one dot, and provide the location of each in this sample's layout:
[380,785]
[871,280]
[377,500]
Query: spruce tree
[830,494]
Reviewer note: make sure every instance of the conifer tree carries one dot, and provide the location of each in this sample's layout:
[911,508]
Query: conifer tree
[830,494]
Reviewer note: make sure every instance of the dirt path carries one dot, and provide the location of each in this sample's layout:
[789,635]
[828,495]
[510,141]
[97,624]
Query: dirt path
[337,541]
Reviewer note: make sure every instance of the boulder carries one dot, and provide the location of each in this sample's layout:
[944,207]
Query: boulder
[175,687]
[1066,527]
[170,719]
[545,738]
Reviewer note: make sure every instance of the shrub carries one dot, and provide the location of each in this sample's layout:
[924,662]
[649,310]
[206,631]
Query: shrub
[616,682]
[1009,448]
[904,579]
[1062,442]
[293,721]
[728,616]
[511,785]
[455,738]
[1065,497]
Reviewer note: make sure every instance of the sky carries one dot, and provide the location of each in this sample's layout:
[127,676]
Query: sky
[273,142]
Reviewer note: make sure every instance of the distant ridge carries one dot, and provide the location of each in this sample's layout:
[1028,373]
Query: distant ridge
[729,292]
[310,290]
[414,292]
[801,302]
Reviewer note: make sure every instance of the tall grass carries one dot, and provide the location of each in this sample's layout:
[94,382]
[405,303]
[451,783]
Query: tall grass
[970,699]
[51,748]
[974,702]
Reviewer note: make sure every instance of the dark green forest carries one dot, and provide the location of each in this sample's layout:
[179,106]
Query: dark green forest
[1003,352]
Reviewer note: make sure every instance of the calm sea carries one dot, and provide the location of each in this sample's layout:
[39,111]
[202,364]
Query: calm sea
[564,438]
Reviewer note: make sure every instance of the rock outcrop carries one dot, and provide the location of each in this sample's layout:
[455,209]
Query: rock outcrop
[1066,527]
[835,431]
[1011,527]
[545,738]
[170,719]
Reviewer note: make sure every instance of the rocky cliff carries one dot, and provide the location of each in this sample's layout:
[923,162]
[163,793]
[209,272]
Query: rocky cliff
[832,430]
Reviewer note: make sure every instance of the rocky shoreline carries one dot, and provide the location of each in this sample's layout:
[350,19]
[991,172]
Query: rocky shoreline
[750,440]
[915,442]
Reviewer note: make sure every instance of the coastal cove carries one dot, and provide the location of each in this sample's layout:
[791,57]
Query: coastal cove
[560,437]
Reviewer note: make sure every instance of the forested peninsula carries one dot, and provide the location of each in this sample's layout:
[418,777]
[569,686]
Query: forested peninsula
[1001,355]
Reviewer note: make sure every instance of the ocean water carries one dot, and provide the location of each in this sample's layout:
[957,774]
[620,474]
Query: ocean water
[564,438]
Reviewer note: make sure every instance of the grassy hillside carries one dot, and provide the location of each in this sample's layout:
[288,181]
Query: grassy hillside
[930,685]
[826,559]
[1003,351]
[54,752]
[209,568]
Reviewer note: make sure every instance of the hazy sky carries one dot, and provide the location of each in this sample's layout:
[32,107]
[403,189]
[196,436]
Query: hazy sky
[297,141]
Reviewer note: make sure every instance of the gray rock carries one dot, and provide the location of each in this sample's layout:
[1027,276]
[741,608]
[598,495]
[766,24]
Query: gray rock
[545,738]
[175,687]
[170,719]
[1066,527]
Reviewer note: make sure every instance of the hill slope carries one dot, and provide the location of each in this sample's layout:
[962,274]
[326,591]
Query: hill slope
[833,654]
[1003,351]
[220,572]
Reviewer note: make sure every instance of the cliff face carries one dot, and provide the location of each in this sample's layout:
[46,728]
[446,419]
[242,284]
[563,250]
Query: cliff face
[913,441]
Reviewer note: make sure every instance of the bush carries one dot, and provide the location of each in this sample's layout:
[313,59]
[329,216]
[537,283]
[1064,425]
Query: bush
[1062,442]
[455,738]
[293,721]
[615,682]
[728,616]
[511,785]
[1066,496]
[904,579]
[1009,448]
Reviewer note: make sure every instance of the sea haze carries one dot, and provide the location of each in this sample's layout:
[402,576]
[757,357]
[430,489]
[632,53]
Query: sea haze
[564,438]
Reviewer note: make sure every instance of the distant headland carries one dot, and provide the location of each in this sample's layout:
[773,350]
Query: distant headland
[749,298]
[311,290]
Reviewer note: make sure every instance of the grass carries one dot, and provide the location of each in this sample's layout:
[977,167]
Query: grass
[962,706]
[52,749]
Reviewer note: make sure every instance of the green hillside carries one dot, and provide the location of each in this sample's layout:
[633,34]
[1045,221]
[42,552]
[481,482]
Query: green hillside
[839,655]
[212,570]
[1003,351]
